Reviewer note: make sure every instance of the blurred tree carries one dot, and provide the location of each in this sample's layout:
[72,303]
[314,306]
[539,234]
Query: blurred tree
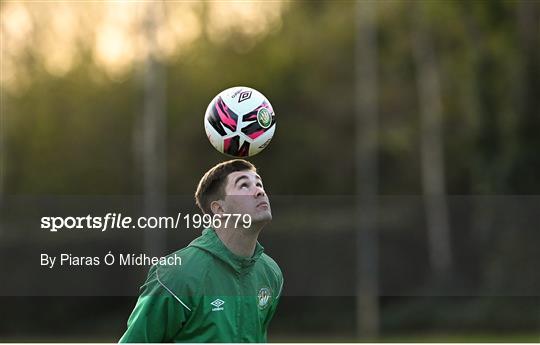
[433,176]
[153,129]
[523,178]
[3,159]
[366,142]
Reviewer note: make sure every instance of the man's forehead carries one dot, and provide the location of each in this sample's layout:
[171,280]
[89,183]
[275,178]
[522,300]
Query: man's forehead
[236,175]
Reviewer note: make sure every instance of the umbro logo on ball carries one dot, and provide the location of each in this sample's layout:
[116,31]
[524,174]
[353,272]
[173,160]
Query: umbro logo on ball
[244,95]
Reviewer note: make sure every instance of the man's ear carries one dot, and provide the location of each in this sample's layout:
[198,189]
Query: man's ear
[216,207]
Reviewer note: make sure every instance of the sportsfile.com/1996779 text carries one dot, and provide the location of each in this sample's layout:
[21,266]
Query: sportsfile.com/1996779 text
[116,221]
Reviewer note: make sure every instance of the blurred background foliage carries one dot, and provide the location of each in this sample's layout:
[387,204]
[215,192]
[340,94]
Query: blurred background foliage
[72,99]
[71,73]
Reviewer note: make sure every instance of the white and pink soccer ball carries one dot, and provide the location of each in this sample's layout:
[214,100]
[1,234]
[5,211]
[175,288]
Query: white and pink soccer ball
[240,122]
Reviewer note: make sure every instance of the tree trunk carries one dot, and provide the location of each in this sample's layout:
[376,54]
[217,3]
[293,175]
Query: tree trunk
[3,154]
[432,154]
[154,165]
[366,170]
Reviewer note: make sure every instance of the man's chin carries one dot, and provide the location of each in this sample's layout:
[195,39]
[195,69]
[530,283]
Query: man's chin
[262,218]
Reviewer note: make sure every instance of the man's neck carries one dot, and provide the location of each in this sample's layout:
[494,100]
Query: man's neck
[241,242]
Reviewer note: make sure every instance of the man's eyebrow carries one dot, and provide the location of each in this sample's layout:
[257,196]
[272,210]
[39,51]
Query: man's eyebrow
[239,178]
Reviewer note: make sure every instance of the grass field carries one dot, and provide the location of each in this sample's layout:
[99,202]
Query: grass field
[419,338]
[409,338]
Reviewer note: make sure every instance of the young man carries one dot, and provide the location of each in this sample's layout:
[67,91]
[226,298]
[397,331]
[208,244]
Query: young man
[226,289]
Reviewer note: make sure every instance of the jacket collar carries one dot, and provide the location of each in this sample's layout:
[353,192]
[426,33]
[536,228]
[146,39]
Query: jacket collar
[210,242]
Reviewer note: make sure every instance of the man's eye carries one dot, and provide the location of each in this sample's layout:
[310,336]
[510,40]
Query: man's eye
[259,185]
[243,185]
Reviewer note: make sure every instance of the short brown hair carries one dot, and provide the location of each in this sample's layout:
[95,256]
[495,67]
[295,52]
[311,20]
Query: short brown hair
[212,185]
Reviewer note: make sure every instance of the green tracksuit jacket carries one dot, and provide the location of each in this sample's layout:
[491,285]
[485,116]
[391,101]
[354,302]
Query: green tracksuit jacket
[213,296]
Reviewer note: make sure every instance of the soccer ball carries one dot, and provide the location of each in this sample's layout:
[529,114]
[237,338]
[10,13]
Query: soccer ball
[239,122]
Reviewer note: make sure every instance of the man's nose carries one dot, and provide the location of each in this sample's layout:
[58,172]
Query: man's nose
[259,192]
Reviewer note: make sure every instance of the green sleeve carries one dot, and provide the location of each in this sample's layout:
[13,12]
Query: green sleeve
[158,315]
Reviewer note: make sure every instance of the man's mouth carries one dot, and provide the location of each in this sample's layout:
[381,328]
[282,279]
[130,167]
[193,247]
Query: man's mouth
[263,203]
